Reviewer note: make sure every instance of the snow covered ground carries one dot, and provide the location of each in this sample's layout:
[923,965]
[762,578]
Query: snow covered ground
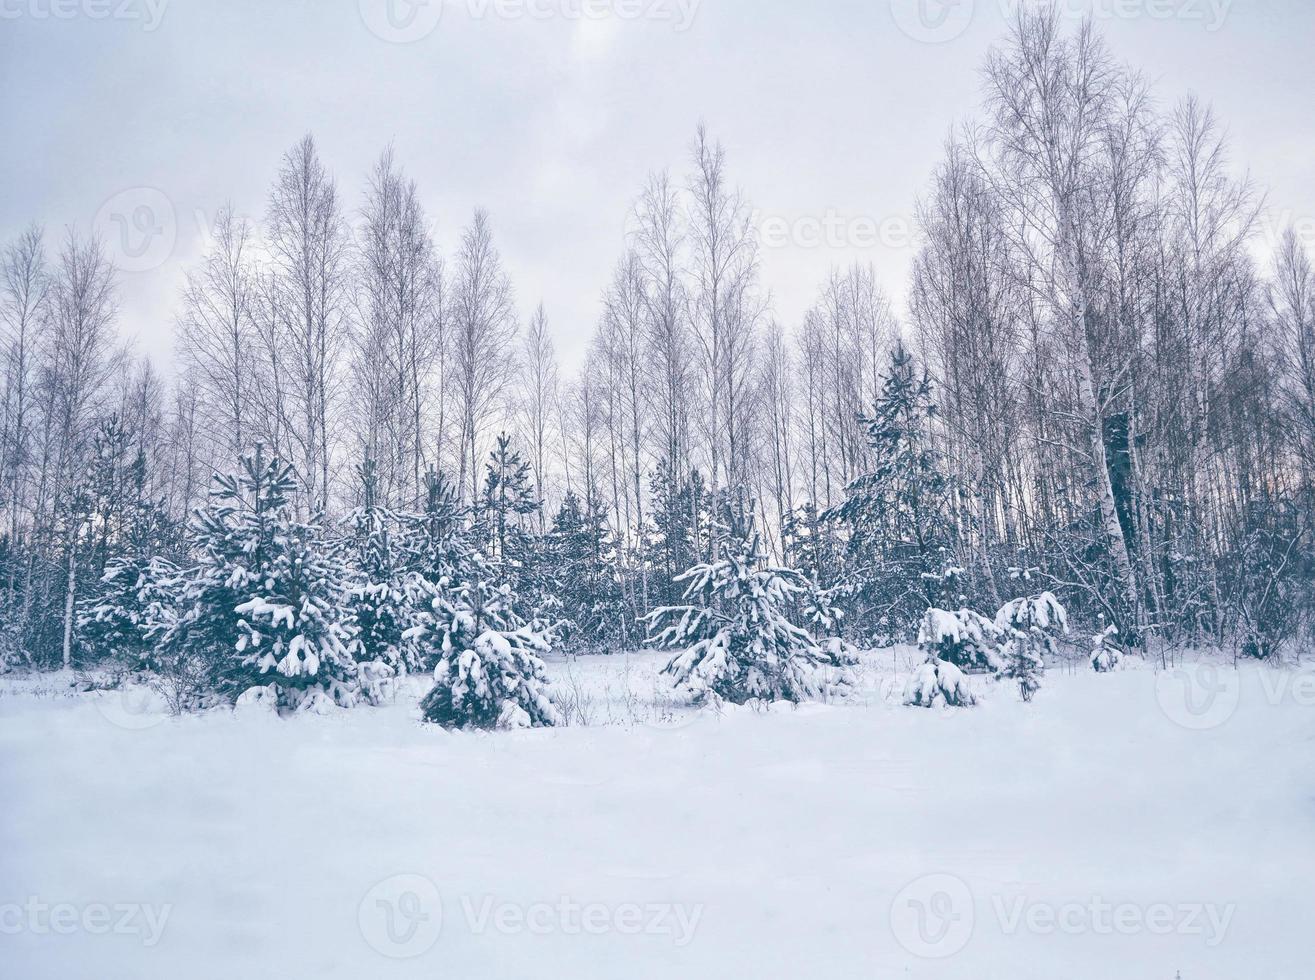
[1137,825]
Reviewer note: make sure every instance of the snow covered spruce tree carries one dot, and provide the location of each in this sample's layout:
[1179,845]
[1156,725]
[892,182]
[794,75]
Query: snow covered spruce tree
[1030,625]
[681,516]
[1106,654]
[132,610]
[938,682]
[898,517]
[962,637]
[579,571]
[383,602]
[435,543]
[740,642]
[124,568]
[506,510]
[488,671]
[953,642]
[489,675]
[133,603]
[262,605]
[950,639]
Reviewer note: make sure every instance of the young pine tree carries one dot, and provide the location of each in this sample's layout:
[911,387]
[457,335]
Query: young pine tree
[939,682]
[735,625]
[956,634]
[810,546]
[580,572]
[1031,625]
[261,607]
[898,516]
[436,544]
[489,674]
[506,504]
[383,601]
[964,638]
[1106,654]
[133,604]
[133,609]
[680,528]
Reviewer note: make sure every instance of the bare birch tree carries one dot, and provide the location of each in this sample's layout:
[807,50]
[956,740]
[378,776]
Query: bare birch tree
[308,241]
[540,396]
[483,330]
[399,338]
[215,340]
[24,311]
[82,358]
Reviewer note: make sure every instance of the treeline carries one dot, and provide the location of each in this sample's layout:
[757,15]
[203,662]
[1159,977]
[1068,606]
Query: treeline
[1097,386]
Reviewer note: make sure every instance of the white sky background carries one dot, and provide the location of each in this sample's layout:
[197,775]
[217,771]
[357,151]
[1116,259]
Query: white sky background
[832,108]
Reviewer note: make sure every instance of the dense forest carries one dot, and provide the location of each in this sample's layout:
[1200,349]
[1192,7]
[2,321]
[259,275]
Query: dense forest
[1102,389]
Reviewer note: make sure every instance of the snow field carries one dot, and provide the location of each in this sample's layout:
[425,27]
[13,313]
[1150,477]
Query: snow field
[1132,825]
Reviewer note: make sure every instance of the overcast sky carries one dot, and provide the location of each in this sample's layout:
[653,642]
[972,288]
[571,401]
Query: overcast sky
[136,110]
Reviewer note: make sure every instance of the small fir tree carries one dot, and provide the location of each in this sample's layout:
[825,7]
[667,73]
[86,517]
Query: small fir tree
[436,544]
[133,604]
[134,608]
[899,516]
[1106,654]
[964,638]
[1030,625]
[489,673]
[735,625]
[261,606]
[580,572]
[383,600]
[507,502]
[939,682]
[681,528]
